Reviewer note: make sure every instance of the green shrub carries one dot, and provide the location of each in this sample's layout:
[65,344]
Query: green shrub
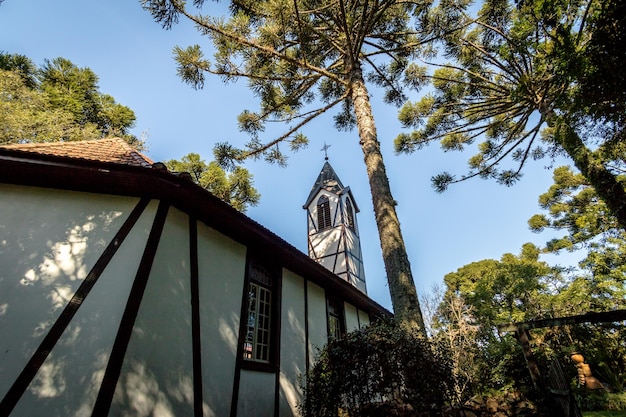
[380,370]
[616,401]
[600,400]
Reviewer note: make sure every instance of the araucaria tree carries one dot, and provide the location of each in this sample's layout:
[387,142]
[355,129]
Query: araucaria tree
[235,188]
[303,58]
[57,102]
[519,78]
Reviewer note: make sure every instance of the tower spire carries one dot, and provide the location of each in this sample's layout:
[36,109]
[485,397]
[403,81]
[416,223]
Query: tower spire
[333,234]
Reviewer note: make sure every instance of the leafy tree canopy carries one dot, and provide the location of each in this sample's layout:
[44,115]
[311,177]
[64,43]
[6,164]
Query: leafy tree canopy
[57,101]
[504,291]
[573,206]
[235,188]
[516,81]
[602,86]
[488,293]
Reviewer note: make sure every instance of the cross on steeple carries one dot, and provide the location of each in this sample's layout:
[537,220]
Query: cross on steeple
[325,149]
[333,233]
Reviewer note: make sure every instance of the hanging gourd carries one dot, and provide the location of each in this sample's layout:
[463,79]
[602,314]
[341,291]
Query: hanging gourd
[585,376]
[577,357]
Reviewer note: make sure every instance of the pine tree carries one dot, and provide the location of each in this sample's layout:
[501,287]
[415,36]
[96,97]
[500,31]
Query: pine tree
[517,77]
[303,58]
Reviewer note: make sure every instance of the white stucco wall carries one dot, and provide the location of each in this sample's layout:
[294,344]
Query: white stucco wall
[256,394]
[364,319]
[49,241]
[352,318]
[157,375]
[292,343]
[221,269]
[68,382]
[318,329]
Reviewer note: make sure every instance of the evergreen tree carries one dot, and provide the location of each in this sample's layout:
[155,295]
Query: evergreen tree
[235,188]
[303,58]
[76,90]
[21,65]
[26,115]
[573,207]
[58,101]
[517,76]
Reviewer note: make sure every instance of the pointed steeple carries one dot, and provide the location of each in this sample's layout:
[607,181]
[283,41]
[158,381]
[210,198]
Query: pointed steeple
[327,180]
[333,234]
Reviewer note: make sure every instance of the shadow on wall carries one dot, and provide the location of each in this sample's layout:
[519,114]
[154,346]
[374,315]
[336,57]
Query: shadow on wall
[49,242]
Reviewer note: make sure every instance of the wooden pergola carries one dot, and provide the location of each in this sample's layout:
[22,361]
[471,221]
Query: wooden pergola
[522,332]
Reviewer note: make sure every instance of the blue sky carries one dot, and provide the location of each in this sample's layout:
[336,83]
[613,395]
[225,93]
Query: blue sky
[132,55]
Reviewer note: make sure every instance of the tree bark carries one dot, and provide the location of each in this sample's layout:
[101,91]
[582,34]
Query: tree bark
[399,277]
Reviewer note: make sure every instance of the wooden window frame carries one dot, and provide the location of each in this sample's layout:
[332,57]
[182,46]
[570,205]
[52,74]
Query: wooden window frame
[271,342]
[335,311]
[324,220]
[350,215]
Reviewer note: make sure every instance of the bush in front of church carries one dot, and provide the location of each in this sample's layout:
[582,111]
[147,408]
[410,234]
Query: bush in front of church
[381,370]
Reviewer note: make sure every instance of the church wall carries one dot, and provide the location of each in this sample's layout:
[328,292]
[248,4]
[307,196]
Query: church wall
[256,394]
[139,324]
[221,265]
[352,317]
[68,381]
[49,241]
[292,342]
[364,319]
[318,331]
[157,371]
[326,242]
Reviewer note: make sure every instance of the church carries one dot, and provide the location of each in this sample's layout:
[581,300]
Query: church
[128,290]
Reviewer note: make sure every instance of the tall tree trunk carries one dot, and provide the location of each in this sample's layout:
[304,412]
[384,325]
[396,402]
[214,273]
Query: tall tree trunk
[603,181]
[401,285]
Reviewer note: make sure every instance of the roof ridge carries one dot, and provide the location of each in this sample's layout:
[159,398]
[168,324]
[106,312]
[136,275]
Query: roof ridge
[109,149]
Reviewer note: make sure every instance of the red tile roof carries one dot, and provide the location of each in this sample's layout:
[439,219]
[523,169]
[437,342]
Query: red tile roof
[113,150]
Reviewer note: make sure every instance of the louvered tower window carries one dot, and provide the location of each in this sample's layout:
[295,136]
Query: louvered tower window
[323,213]
[349,214]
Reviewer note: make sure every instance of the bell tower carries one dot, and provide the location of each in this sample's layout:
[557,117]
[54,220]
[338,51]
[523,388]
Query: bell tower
[333,233]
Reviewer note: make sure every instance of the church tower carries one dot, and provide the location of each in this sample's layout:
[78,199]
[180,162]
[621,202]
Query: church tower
[333,233]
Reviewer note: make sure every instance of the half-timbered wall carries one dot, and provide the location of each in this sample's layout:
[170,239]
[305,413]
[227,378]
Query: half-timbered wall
[116,306]
[337,248]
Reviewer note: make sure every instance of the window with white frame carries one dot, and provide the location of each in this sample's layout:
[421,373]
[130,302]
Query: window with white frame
[258,327]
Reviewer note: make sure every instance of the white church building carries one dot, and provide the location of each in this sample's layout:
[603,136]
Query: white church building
[128,290]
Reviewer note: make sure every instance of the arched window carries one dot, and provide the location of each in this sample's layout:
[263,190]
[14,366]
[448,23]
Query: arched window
[323,213]
[349,214]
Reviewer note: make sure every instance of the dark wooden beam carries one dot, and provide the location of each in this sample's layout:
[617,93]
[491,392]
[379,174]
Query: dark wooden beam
[590,317]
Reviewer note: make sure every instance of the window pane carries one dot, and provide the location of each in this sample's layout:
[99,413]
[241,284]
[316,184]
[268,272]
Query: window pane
[257,339]
[248,345]
[336,324]
[334,328]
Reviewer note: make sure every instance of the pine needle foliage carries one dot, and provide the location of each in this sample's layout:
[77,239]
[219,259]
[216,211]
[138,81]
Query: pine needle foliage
[302,59]
[514,77]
